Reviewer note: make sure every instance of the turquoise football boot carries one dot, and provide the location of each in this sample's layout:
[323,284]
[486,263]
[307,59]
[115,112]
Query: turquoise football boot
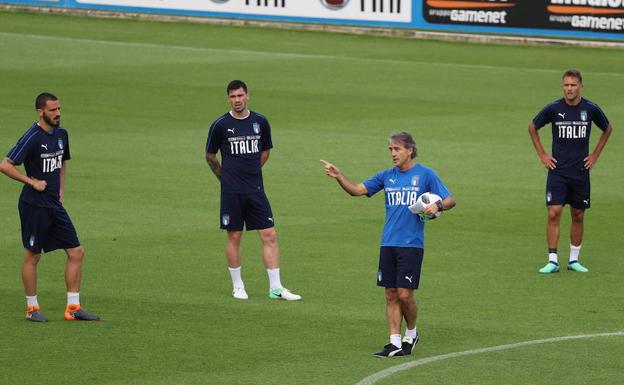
[551,267]
[576,266]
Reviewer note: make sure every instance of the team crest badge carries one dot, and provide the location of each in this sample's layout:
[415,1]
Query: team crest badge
[415,180]
[256,128]
[60,143]
[225,219]
[584,116]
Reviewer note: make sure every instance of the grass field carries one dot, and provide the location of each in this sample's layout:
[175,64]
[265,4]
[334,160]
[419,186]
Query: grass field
[138,98]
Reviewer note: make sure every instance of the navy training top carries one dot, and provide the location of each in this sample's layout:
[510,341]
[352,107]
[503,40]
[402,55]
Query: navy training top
[42,154]
[571,126]
[241,141]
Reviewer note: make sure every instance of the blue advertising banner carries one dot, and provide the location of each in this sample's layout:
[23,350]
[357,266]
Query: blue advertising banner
[588,19]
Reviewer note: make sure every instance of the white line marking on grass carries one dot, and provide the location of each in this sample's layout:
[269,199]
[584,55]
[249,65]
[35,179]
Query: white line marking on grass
[291,55]
[424,361]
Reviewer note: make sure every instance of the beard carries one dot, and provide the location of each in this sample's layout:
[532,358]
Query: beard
[51,122]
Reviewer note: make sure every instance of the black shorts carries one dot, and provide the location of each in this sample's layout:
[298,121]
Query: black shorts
[46,228]
[573,189]
[399,267]
[251,210]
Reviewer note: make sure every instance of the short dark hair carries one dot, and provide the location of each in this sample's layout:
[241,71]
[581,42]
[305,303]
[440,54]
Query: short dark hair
[573,73]
[406,139]
[42,99]
[236,84]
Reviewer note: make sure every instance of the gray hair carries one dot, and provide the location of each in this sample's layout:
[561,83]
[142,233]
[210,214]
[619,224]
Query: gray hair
[405,139]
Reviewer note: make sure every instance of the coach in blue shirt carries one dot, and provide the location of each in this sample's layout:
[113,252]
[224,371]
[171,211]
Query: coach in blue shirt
[402,240]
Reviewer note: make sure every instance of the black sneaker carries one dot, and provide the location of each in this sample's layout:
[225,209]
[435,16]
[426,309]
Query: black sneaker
[389,351]
[76,313]
[409,344]
[33,314]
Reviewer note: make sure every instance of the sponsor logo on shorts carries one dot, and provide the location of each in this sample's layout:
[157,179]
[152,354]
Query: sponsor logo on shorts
[225,219]
[31,241]
[379,276]
[409,278]
[548,196]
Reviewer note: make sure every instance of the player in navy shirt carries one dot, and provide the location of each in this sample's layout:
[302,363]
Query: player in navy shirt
[571,119]
[402,240]
[44,150]
[243,138]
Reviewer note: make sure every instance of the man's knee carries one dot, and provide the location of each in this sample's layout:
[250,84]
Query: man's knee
[392,295]
[268,235]
[578,215]
[554,214]
[76,254]
[405,296]
[234,237]
[31,258]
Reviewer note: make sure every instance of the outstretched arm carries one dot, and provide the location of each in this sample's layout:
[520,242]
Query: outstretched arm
[354,189]
[7,167]
[545,157]
[591,159]
[214,164]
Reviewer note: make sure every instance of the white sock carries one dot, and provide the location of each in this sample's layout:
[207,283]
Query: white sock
[410,333]
[235,273]
[274,279]
[395,339]
[574,252]
[31,300]
[552,257]
[73,298]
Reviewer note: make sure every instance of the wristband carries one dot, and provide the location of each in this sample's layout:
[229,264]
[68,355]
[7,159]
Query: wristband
[440,205]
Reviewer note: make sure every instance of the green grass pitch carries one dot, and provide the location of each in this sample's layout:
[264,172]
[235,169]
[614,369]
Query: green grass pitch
[138,98]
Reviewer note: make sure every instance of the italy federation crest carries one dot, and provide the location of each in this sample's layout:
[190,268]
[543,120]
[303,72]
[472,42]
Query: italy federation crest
[256,128]
[225,219]
[60,143]
[415,180]
[584,116]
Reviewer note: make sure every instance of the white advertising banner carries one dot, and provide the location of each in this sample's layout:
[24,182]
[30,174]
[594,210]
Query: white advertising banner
[365,10]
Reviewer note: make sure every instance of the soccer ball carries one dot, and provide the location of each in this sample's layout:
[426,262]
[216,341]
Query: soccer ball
[425,199]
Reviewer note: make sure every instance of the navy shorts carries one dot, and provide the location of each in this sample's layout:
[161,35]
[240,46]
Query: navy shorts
[46,228]
[399,267]
[251,210]
[573,189]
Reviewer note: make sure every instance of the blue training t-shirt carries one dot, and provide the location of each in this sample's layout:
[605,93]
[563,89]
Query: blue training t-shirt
[42,154]
[402,188]
[571,126]
[241,142]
